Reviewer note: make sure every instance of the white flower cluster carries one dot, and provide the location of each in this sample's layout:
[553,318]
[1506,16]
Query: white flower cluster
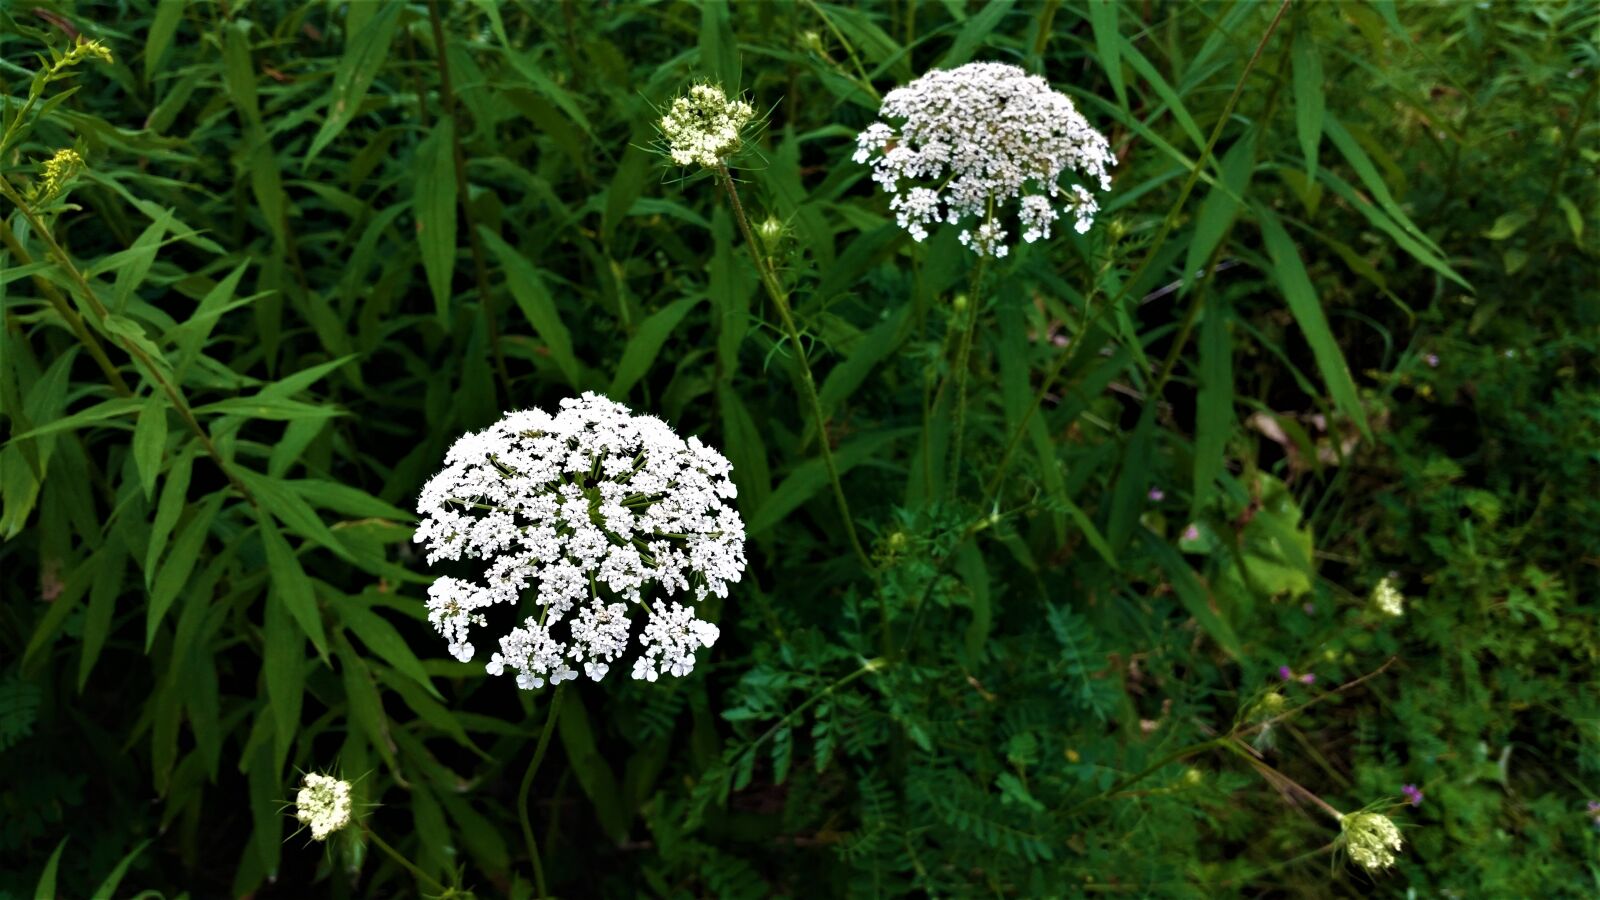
[702,128]
[981,135]
[323,804]
[588,508]
[1371,839]
[1387,599]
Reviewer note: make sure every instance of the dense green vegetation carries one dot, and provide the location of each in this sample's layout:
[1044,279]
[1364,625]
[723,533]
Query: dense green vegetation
[1109,628]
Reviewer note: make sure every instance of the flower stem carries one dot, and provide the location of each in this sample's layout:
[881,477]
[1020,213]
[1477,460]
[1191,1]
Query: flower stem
[1275,777]
[780,299]
[63,308]
[527,787]
[400,858]
[963,358]
[1163,762]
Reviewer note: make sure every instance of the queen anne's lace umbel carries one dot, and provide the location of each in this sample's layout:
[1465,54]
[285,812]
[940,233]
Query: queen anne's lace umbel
[1371,839]
[973,138]
[703,126]
[323,804]
[588,509]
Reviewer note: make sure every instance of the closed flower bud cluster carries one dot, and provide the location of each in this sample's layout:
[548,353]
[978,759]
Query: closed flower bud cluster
[973,139]
[1371,839]
[1387,599]
[703,127]
[323,804]
[585,510]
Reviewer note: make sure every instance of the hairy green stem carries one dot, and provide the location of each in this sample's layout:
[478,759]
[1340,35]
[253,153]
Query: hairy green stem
[963,361]
[780,299]
[527,787]
[63,308]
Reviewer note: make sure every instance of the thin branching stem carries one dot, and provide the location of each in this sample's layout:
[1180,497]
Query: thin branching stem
[398,857]
[780,299]
[146,364]
[963,362]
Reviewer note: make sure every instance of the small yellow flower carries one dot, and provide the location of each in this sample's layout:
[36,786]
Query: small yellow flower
[56,173]
[95,49]
[84,49]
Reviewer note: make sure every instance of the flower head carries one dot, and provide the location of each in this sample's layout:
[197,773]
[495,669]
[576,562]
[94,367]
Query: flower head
[1413,794]
[1371,839]
[587,509]
[704,126]
[1387,599]
[56,173]
[974,138]
[323,804]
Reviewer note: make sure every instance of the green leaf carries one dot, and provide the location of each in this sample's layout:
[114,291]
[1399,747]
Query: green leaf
[1574,216]
[1214,419]
[534,299]
[272,409]
[1290,274]
[594,775]
[291,509]
[873,347]
[180,563]
[133,265]
[342,498]
[1108,45]
[382,638]
[1163,90]
[1221,205]
[719,49]
[1508,224]
[150,442]
[975,32]
[108,887]
[1419,250]
[1309,96]
[1134,481]
[1368,173]
[364,54]
[1192,593]
[105,409]
[103,595]
[646,343]
[746,449]
[365,704]
[283,669]
[290,584]
[46,890]
[435,209]
[163,25]
[811,476]
[174,496]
